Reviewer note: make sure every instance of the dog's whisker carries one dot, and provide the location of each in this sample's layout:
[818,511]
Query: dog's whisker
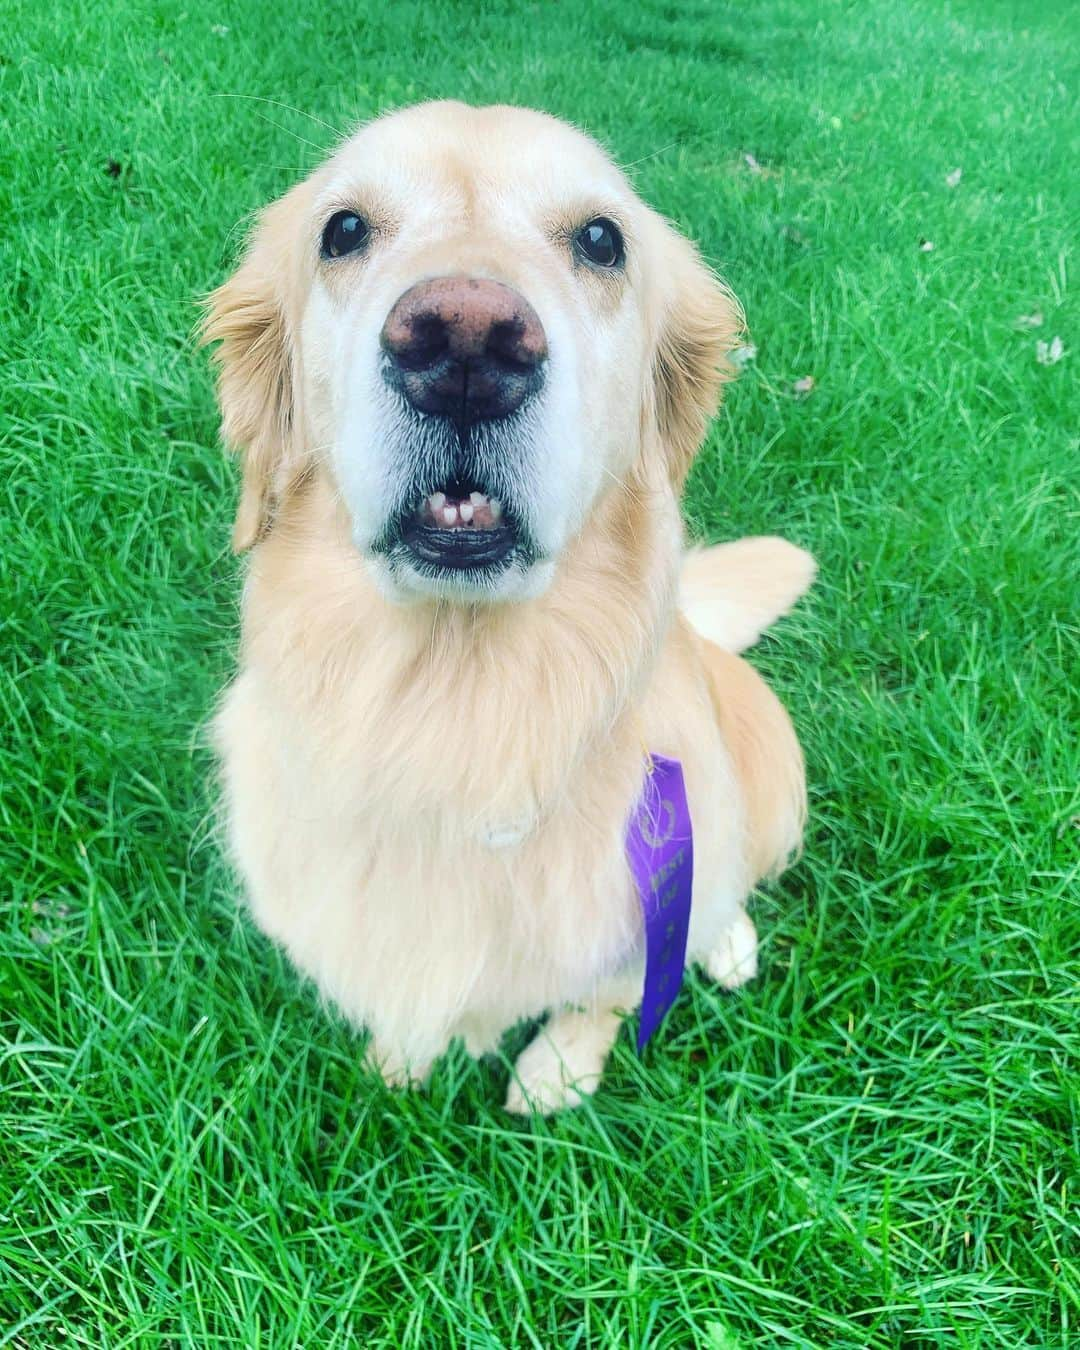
[436,609]
[653,154]
[287,107]
[623,483]
[319,149]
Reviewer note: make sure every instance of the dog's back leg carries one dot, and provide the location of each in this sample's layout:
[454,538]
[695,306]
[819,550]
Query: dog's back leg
[769,766]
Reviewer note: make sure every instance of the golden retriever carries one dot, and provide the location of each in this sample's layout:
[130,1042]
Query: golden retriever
[467,370]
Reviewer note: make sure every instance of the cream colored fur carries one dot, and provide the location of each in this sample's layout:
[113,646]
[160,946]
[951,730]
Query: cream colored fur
[427,801]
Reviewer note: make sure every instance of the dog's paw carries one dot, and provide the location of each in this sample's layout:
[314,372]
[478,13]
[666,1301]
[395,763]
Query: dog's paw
[733,961]
[562,1066]
[393,1068]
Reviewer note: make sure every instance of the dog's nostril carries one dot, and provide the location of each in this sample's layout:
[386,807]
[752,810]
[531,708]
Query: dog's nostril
[508,343]
[428,341]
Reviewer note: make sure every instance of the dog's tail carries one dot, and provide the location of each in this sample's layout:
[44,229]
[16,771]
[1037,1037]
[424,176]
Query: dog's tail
[732,592]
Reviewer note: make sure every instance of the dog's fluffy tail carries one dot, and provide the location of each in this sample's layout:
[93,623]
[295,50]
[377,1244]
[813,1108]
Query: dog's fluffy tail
[731,593]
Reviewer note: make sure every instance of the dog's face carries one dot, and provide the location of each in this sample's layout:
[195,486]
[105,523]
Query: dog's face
[471,320]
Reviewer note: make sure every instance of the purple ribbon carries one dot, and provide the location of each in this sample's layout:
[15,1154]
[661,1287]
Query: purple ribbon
[660,851]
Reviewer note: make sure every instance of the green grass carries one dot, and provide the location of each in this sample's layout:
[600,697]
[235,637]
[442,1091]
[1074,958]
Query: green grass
[876,1144]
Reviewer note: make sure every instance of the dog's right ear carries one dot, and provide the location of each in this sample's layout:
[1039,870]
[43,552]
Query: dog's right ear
[256,385]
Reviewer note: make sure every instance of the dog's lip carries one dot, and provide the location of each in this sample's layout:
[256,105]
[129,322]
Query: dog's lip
[460,548]
[459,527]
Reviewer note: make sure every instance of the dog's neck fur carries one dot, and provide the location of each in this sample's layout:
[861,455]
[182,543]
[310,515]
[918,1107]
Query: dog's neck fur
[494,706]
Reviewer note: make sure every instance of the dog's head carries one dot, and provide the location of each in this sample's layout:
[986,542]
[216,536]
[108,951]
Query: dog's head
[469,318]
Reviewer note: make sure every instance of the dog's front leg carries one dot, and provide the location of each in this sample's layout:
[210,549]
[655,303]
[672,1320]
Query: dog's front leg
[563,1064]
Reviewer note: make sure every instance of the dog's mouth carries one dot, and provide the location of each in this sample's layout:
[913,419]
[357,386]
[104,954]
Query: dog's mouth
[461,528]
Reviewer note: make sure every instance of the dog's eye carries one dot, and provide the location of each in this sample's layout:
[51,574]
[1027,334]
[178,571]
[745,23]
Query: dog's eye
[344,233]
[600,243]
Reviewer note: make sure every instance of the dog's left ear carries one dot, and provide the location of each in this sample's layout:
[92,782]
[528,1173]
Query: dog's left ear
[701,324]
[257,393]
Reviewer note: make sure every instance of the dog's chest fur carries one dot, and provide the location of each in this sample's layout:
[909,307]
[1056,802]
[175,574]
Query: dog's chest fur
[429,811]
[410,921]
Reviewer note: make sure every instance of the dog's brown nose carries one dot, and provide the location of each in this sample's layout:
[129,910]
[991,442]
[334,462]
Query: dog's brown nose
[464,348]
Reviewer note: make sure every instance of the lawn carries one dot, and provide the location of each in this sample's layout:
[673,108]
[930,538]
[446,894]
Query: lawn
[876,1143]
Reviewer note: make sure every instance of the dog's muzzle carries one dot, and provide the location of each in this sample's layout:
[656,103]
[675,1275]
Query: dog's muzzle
[466,356]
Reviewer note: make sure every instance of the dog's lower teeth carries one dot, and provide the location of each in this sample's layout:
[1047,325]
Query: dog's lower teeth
[465,510]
